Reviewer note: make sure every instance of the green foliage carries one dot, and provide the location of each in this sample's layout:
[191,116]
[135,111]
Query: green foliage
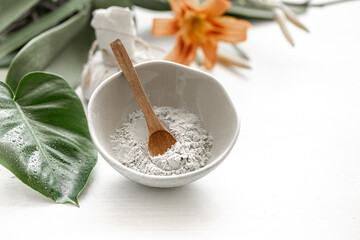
[20,37]
[70,61]
[44,136]
[250,10]
[5,61]
[240,8]
[159,5]
[43,49]
[11,10]
[109,3]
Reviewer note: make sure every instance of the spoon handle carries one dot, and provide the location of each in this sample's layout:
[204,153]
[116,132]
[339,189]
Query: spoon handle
[132,78]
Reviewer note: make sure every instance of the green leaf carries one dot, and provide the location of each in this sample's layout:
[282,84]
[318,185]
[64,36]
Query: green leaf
[109,3]
[258,13]
[159,5]
[19,38]
[37,54]
[3,72]
[240,8]
[11,10]
[71,60]
[44,136]
[249,9]
[250,12]
[5,61]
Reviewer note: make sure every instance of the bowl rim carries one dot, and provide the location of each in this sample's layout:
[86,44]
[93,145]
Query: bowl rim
[112,161]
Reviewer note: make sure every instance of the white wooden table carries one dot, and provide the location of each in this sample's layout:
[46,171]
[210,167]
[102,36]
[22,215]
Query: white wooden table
[294,172]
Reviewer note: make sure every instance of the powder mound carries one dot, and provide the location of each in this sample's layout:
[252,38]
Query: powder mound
[191,151]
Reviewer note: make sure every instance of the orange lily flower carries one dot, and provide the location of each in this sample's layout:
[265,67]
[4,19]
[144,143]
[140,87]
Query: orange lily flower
[199,25]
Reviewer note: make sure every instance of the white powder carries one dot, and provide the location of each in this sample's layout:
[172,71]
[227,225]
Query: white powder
[191,152]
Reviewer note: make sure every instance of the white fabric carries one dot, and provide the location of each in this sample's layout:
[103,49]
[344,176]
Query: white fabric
[112,23]
[94,73]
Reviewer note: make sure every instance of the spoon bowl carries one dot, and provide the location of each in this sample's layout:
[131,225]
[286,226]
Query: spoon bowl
[160,141]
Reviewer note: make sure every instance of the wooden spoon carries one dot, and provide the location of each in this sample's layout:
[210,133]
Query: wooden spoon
[160,139]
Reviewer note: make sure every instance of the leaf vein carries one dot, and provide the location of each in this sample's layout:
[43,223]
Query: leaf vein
[34,136]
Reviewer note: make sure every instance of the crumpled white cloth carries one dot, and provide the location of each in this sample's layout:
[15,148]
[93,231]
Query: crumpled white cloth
[110,24]
[94,73]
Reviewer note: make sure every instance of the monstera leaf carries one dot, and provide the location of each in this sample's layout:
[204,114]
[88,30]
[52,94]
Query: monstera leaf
[44,136]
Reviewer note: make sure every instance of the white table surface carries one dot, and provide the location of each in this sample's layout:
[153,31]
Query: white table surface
[294,172]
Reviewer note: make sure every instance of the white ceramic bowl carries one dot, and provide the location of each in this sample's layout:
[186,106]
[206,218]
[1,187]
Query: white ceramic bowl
[167,84]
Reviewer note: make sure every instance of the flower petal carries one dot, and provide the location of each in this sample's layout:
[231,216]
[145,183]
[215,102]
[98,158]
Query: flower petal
[193,4]
[179,7]
[230,29]
[164,26]
[190,55]
[210,52]
[215,8]
[182,53]
[175,53]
